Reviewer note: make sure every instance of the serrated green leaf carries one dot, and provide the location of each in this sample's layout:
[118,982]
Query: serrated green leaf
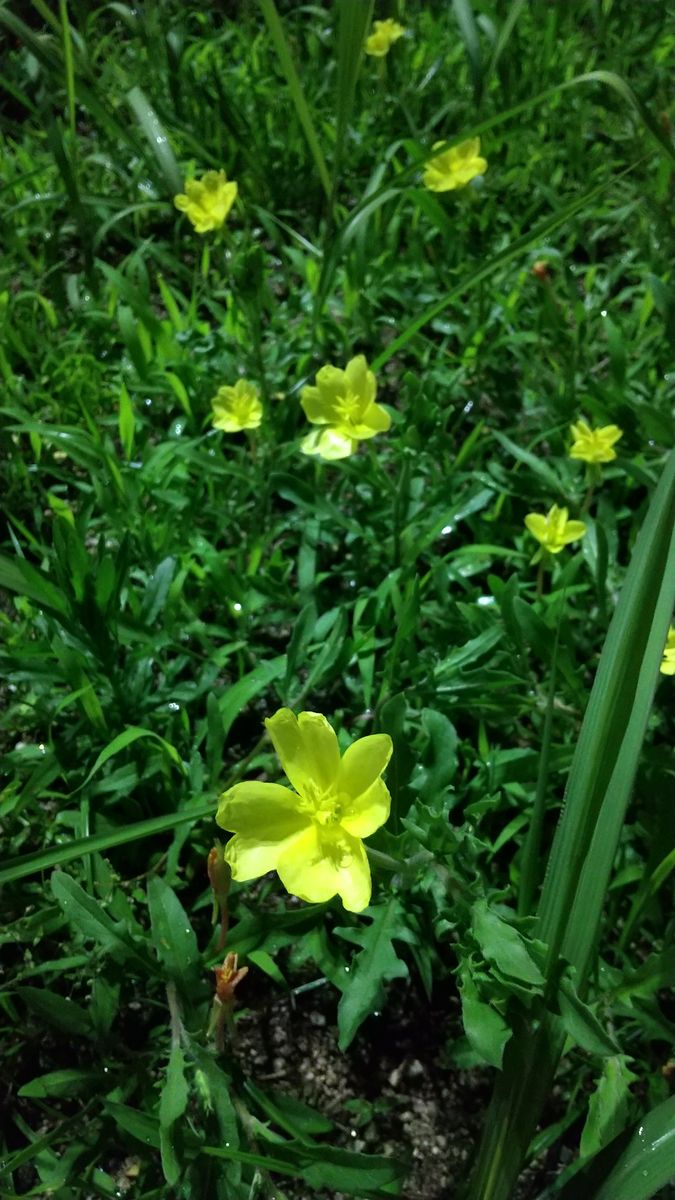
[375,965]
[503,945]
[581,1023]
[608,1107]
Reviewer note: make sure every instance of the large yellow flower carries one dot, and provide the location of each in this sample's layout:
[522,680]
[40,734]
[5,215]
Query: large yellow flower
[311,836]
[554,531]
[668,662]
[384,34]
[594,445]
[344,403]
[238,407]
[455,167]
[207,201]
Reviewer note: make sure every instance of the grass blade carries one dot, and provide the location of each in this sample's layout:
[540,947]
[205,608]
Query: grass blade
[57,856]
[157,139]
[635,1166]
[276,32]
[354,17]
[468,29]
[588,831]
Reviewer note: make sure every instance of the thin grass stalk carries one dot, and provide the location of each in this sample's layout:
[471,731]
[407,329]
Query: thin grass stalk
[585,843]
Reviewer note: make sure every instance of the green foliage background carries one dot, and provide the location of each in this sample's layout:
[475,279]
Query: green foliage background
[166,587]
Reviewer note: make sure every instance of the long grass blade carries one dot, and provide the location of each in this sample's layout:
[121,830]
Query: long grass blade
[68,64]
[634,1166]
[58,856]
[354,17]
[468,29]
[157,139]
[583,851]
[276,32]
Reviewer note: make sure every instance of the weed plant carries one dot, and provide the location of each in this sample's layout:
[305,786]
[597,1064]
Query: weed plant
[168,585]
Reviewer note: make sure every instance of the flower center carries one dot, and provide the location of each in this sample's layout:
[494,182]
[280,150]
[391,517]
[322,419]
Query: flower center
[324,807]
[347,407]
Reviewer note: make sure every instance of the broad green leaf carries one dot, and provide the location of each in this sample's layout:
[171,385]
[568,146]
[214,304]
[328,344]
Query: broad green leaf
[172,1105]
[502,945]
[217,1088]
[92,922]
[581,1023]
[172,935]
[71,1081]
[608,1107]
[17,575]
[485,1029]
[375,965]
[56,1010]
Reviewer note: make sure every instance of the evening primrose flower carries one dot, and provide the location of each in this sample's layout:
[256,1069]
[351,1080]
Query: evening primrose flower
[455,167]
[236,408]
[343,402]
[384,34]
[554,531]
[207,201]
[312,835]
[594,445]
[668,663]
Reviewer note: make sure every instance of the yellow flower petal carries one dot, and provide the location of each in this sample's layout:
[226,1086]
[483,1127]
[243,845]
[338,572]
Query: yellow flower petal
[307,748]
[329,443]
[321,864]
[360,379]
[573,531]
[362,763]
[368,812]
[265,820]
[537,525]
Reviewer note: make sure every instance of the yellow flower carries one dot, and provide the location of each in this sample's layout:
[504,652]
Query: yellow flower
[311,836]
[594,445]
[236,408]
[207,201]
[384,34]
[455,167]
[668,664]
[554,531]
[344,403]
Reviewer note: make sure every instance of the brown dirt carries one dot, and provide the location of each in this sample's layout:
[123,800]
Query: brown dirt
[415,1105]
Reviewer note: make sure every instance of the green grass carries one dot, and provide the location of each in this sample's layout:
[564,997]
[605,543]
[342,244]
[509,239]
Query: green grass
[166,587]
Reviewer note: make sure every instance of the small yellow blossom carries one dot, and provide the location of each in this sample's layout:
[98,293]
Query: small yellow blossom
[668,664]
[344,403]
[207,201]
[594,445]
[311,836]
[554,531]
[384,34]
[455,167]
[236,408]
